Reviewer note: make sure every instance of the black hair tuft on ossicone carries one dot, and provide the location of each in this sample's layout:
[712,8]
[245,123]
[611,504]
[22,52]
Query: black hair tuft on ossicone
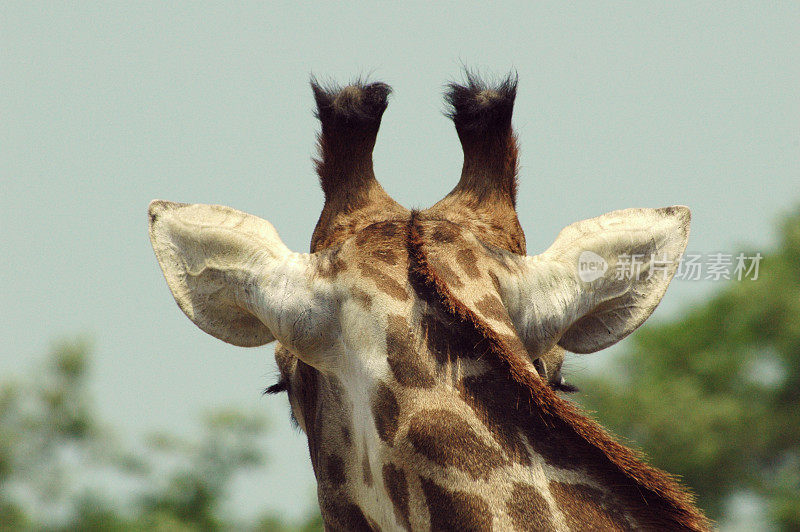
[475,106]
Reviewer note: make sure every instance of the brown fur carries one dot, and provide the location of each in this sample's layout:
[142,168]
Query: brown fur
[524,501]
[446,439]
[384,282]
[466,259]
[408,368]
[345,516]
[455,511]
[366,470]
[587,509]
[397,488]
[385,410]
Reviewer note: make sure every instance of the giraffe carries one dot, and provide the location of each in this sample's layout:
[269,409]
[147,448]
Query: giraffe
[421,350]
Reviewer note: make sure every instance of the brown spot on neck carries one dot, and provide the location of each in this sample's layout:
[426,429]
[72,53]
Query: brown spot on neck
[384,282]
[341,514]
[455,511]
[366,470]
[406,363]
[467,260]
[334,470]
[445,233]
[491,307]
[363,297]
[385,411]
[394,480]
[529,510]
[448,441]
[586,508]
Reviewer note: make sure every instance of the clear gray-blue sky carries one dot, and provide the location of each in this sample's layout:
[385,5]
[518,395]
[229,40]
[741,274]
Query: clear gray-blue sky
[105,106]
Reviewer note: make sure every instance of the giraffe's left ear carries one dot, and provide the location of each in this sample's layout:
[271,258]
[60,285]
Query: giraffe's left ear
[598,282]
[233,277]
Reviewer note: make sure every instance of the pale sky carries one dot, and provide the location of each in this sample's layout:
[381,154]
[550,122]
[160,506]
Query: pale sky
[105,106]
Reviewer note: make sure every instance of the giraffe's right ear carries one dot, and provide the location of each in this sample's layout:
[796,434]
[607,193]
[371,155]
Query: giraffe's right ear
[233,277]
[599,280]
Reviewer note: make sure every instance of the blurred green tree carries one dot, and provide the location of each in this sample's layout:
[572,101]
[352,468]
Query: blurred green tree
[53,449]
[715,395]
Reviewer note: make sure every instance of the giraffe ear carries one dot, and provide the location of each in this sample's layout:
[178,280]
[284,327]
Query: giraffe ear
[599,281]
[233,277]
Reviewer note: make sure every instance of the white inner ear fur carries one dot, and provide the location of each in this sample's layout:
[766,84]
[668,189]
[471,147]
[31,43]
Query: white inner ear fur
[580,295]
[234,278]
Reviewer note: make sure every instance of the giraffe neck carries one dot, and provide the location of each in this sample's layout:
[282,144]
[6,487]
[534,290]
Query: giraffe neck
[433,450]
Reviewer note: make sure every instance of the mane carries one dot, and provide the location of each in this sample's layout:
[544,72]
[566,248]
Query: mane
[658,488]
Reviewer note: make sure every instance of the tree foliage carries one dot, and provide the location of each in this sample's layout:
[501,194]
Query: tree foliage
[60,465]
[715,395]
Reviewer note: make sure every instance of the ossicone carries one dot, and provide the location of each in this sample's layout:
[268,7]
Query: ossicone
[350,117]
[485,197]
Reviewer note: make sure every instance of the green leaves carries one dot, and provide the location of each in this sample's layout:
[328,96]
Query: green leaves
[52,444]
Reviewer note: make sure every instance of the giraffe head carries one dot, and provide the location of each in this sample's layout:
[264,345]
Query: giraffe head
[421,350]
